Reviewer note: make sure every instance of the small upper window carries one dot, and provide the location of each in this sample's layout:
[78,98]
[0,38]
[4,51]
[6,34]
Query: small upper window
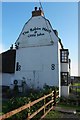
[64,56]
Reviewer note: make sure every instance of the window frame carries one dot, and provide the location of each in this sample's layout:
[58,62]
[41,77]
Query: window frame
[64,55]
[63,83]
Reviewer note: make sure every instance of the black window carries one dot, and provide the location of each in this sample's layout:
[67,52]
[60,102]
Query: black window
[64,78]
[64,56]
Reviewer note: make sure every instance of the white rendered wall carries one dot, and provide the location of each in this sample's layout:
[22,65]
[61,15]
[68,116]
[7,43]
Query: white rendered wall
[65,91]
[64,67]
[36,65]
[59,68]
[36,53]
[41,37]
[7,79]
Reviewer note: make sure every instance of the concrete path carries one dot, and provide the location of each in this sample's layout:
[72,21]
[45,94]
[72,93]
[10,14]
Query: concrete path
[68,113]
[59,112]
[60,109]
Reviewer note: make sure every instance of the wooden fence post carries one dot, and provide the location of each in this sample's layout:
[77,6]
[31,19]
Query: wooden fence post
[54,97]
[29,111]
[44,104]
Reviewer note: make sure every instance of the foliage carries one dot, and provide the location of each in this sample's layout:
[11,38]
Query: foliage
[17,102]
[70,100]
[69,106]
[54,114]
[15,90]
[76,84]
[48,89]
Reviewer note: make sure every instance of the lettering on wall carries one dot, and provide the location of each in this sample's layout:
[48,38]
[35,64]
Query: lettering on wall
[36,31]
[18,66]
[52,66]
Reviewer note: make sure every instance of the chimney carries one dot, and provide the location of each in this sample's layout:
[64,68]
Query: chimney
[37,12]
[35,8]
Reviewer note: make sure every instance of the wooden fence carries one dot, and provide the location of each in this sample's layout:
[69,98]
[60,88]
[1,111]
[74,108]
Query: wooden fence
[52,102]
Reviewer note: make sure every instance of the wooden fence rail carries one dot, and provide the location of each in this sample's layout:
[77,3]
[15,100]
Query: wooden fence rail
[54,95]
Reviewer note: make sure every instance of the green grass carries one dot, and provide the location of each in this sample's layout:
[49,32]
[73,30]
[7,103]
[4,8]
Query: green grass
[76,90]
[54,114]
[1,113]
[57,115]
[76,84]
[69,106]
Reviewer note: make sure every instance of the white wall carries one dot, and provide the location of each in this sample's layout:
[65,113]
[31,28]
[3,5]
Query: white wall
[59,68]
[39,22]
[36,53]
[36,65]
[64,67]
[65,91]
[7,79]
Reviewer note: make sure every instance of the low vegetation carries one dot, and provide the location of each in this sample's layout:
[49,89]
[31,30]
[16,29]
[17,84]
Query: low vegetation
[57,115]
[72,102]
[76,84]
[18,101]
[53,114]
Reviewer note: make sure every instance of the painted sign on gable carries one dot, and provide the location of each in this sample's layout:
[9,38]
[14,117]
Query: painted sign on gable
[36,31]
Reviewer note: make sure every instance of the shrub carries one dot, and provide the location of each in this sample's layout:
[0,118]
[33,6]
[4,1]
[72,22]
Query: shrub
[17,102]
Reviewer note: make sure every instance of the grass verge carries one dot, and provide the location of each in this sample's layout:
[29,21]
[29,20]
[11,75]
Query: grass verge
[76,84]
[54,114]
[69,106]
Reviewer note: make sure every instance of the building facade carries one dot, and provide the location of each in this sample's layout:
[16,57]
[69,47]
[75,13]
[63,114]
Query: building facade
[40,56]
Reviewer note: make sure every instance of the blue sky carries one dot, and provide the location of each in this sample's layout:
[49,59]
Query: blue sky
[63,17]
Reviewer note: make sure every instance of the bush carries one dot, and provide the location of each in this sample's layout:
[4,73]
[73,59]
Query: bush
[17,102]
[69,100]
[48,89]
[16,90]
